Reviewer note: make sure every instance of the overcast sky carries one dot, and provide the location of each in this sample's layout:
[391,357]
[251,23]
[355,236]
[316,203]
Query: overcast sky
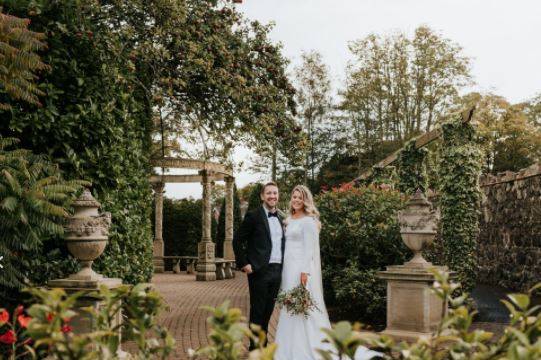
[501,37]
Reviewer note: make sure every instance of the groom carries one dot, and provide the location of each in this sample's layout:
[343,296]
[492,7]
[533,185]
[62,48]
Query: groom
[259,252]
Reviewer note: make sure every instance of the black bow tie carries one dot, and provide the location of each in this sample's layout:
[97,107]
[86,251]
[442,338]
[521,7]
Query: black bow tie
[275,214]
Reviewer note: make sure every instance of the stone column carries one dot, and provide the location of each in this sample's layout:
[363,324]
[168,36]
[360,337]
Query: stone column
[229,204]
[158,240]
[206,268]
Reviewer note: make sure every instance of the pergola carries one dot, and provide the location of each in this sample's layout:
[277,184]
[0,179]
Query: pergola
[209,173]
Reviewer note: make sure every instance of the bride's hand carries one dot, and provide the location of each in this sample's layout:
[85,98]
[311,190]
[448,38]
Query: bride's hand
[304,279]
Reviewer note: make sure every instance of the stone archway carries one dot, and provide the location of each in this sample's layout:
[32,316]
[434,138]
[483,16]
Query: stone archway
[209,173]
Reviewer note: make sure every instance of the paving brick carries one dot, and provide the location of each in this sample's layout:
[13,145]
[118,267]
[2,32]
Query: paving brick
[184,296]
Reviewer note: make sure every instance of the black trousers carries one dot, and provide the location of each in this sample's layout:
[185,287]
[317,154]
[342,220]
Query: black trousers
[264,286]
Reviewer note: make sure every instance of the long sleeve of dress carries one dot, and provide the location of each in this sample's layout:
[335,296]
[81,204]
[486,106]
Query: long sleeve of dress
[309,238]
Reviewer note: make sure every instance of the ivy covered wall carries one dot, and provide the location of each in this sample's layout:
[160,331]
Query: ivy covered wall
[510,236]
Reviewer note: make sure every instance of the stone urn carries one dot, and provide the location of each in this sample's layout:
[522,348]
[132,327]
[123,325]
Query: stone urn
[86,234]
[418,227]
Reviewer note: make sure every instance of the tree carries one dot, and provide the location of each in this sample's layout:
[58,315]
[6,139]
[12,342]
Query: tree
[276,105]
[397,87]
[510,136]
[19,61]
[254,201]
[314,105]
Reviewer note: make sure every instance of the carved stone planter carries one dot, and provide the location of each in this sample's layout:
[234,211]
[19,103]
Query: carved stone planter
[418,228]
[413,310]
[86,234]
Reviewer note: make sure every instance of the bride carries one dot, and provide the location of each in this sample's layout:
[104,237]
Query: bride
[297,337]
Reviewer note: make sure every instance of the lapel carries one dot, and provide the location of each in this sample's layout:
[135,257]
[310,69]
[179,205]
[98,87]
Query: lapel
[266,222]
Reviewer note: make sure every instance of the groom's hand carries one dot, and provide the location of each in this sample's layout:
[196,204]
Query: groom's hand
[247,269]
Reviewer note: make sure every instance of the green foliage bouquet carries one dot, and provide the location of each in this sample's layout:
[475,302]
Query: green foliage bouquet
[297,301]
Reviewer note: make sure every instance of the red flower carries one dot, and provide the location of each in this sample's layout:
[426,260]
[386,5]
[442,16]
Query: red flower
[8,337]
[66,319]
[50,317]
[66,328]
[19,310]
[24,320]
[4,317]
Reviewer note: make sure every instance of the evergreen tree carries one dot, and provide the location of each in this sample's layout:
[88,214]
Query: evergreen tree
[254,201]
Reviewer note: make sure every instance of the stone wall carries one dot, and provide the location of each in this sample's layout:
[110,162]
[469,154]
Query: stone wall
[510,229]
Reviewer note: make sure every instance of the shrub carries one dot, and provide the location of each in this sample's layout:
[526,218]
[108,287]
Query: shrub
[360,235]
[35,200]
[228,330]
[363,290]
[94,123]
[181,226]
[452,340]
[44,329]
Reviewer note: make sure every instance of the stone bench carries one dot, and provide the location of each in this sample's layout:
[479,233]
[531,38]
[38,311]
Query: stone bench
[189,261]
[224,269]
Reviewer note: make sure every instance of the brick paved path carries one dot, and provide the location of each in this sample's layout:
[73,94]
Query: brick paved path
[185,320]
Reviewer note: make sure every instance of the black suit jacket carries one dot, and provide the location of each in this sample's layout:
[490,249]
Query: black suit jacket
[252,243]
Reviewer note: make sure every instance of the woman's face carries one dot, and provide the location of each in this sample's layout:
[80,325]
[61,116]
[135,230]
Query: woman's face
[297,202]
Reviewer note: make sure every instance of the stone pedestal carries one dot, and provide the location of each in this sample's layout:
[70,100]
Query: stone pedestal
[413,310]
[84,322]
[206,268]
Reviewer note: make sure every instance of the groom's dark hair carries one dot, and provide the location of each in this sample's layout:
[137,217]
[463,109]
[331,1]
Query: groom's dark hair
[270,183]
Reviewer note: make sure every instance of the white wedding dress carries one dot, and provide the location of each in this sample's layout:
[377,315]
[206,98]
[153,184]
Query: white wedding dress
[297,337]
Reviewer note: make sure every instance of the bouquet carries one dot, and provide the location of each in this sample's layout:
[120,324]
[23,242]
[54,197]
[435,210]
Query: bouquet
[297,301]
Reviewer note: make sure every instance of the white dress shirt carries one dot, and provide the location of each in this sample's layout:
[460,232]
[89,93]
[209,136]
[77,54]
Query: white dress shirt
[276,233]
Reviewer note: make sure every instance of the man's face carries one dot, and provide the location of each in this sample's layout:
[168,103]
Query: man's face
[270,196]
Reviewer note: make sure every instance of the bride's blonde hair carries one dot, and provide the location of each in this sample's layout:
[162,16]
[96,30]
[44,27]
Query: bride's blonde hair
[308,202]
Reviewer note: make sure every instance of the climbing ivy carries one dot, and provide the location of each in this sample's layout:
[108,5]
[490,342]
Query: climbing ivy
[411,168]
[379,175]
[459,170]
